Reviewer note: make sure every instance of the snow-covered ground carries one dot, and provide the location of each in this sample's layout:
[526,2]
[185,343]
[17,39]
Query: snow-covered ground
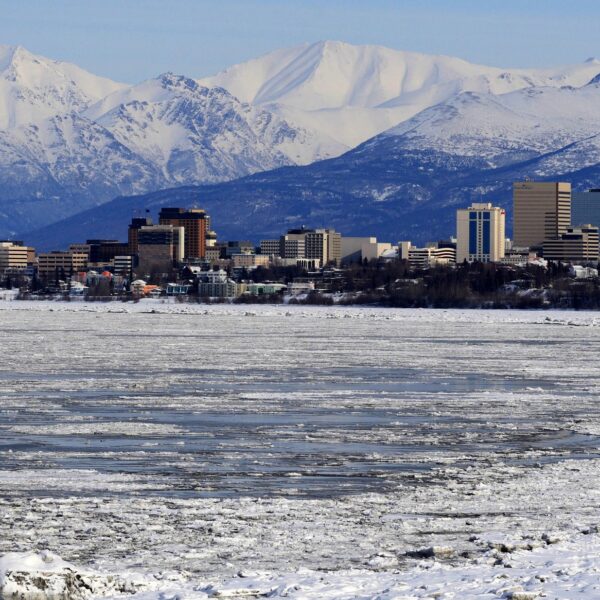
[170,450]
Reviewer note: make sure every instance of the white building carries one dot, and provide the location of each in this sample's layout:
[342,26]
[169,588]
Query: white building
[356,249]
[216,284]
[430,256]
[480,233]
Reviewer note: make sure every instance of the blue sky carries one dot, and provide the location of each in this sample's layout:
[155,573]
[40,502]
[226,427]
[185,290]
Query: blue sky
[130,40]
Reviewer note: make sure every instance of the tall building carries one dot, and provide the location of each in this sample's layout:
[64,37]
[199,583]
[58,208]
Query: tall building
[541,211]
[159,248]
[585,208]
[196,223]
[480,233]
[132,234]
[576,244]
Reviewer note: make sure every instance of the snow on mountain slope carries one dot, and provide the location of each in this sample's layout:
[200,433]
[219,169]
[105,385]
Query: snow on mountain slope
[355,92]
[196,134]
[33,88]
[527,122]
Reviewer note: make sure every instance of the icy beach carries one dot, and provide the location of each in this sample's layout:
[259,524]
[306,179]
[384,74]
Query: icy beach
[192,451]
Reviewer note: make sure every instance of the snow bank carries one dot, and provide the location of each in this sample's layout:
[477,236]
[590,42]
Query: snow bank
[554,570]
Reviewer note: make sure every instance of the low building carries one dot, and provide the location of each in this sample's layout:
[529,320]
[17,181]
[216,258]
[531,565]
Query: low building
[61,263]
[357,249]
[250,261]
[265,289]
[123,265]
[429,256]
[216,284]
[519,257]
[178,289]
[13,256]
[575,245]
[301,287]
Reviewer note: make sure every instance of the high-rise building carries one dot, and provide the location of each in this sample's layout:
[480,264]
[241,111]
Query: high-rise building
[159,248]
[576,244]
[196,223]
[480,233]
[585,208]
[132,234]
[541,211]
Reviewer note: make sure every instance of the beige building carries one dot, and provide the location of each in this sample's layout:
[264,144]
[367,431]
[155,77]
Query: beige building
[576,244]
[249,261]
[13,256]
[541,211]
[324,245]
[480,233]
[50,263]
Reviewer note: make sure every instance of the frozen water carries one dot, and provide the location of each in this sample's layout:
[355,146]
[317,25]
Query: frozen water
[193,443]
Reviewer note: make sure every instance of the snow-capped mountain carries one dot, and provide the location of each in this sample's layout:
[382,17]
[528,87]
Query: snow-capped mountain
[352,93]
[195,134]
[70,140]
[33,88]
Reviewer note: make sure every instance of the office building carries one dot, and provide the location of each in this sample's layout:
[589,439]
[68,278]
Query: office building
[576,244]
[159,248]
[585,208]
[270,247]
[480,233]
[541,211]
[63,264]
[196,223]
[13,256]
[132,233]
[322,245]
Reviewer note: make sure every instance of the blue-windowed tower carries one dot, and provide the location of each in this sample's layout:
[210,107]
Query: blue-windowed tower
[480,233]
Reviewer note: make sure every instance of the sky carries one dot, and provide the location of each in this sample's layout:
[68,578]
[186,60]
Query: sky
[132,40]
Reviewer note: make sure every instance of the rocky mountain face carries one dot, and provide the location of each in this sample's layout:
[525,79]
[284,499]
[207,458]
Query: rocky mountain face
[70,140]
